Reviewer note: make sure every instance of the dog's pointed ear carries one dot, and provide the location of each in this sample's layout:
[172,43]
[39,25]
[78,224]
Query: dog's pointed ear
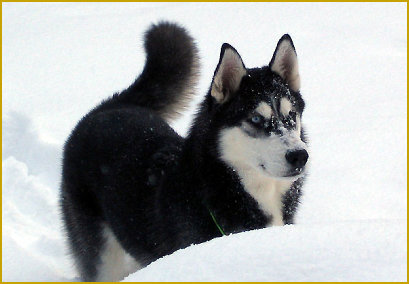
[285,63]
[228,74]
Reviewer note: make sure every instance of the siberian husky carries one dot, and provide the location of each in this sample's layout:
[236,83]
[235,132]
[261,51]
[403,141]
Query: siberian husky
[133,190]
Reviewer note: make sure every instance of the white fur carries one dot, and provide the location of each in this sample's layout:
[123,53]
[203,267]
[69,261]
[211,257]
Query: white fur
[265,110]
[266,191]
[298,125]
[245,154]
[236,147]
[116,263]
[285,106]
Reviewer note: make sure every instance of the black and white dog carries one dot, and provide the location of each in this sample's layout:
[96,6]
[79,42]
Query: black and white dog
[133,190]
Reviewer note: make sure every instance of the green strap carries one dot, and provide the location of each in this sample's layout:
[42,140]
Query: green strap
[217,225]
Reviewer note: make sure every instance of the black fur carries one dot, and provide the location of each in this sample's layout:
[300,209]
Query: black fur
[124,167]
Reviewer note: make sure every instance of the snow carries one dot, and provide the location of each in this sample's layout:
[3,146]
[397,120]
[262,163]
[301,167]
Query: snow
[298,253]
[60,59]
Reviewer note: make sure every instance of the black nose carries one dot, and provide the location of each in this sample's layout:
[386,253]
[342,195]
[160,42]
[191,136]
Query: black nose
[297,158]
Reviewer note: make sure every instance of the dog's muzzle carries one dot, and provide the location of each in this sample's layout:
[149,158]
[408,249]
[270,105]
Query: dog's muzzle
[297,158]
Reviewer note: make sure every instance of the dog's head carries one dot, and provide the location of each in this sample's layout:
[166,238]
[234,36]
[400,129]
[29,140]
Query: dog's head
[258,113]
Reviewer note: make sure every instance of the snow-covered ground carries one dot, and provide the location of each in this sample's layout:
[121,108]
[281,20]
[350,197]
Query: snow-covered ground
[60,59]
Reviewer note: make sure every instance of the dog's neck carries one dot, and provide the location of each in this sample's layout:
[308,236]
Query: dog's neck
[267,191]
[215,176]
[220,189]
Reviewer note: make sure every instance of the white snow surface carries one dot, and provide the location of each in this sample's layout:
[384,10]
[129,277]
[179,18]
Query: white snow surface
[61,59]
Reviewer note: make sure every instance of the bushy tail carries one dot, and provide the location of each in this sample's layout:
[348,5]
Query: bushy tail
[171,71]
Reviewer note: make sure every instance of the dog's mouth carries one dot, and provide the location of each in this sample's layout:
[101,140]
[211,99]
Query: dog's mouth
[293,173]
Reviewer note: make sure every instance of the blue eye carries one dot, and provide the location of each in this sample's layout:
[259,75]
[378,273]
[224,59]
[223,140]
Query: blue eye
[256,119]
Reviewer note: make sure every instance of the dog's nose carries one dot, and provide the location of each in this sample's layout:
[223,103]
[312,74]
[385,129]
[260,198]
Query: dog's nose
[297,158]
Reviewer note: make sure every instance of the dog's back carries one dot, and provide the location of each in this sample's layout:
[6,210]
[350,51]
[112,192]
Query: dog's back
[114,158]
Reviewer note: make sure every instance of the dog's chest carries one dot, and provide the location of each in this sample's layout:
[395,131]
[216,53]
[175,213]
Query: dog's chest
[267,192]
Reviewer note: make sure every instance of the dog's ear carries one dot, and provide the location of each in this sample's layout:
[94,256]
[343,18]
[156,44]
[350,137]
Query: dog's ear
[285,63]
[228,74]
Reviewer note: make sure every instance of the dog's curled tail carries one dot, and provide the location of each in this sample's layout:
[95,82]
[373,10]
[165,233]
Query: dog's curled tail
[169,78]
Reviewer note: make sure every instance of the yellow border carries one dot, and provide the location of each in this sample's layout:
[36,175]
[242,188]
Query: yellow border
[258,1]
[1,111]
